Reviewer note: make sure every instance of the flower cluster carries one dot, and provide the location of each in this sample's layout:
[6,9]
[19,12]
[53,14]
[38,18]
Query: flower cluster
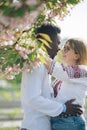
[22,13]
[22,55]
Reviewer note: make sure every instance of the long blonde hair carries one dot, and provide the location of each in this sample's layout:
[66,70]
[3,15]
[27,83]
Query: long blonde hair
[80,48]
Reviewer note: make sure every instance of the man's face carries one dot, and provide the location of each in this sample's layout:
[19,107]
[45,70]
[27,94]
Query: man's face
[54,47]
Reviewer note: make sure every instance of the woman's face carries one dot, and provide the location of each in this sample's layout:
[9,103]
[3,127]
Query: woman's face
[68,55]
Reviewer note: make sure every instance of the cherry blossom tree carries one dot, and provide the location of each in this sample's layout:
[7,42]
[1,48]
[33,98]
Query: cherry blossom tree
[18,22]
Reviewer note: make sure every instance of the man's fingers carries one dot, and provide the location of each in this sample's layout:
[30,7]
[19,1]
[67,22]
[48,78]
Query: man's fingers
[73,109]
[71,101]
[77,109]
[76,105]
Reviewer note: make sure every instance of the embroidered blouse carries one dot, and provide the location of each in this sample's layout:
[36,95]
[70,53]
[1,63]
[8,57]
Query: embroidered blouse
[74,82]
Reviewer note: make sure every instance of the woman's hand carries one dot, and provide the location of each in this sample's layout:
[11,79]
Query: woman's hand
[48,62]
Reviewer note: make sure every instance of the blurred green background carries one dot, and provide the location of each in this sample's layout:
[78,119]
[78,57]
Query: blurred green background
[11,112]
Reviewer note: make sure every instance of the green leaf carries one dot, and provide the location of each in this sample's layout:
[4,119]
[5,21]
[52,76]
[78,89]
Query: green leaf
[4,66]
[7,11]
[45,36]
[39,44]
[21,64]
[42,59]
[43,48]
[31,57]
[19,12]
[17,61]
[44,42]
[73,2]
[31,8]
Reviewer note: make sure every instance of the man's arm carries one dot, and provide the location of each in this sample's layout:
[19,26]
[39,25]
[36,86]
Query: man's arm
[32,94]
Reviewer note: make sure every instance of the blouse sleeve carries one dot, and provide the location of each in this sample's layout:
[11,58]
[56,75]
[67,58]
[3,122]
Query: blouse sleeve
[81,81]
[59,73]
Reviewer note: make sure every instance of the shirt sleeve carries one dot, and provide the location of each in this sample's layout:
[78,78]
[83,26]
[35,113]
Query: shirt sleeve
[32,90]
[59,73]
[81,81]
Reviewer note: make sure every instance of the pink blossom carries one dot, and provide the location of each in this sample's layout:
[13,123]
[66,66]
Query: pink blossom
[26,68]
[31,2]
[23,55]
[10,77]
[15,70]
[8,69]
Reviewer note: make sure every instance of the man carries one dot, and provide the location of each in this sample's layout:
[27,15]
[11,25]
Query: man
[36,90]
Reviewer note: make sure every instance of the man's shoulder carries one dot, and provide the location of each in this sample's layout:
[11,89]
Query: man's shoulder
[38,69]
[41,67]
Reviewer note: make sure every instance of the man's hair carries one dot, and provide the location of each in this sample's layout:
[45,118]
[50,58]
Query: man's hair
[49,29]
[52,31]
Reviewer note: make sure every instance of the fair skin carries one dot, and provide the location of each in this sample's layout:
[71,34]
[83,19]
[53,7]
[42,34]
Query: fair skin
[69,57]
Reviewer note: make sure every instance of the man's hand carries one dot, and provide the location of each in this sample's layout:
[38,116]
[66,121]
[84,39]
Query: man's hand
[73,109]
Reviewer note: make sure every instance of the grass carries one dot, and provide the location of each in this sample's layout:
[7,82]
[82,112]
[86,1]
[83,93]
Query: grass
[9,128]
[9,95]
[9,91]
[11,113]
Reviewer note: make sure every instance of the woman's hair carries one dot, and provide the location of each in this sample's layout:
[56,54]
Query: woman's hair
[80,48]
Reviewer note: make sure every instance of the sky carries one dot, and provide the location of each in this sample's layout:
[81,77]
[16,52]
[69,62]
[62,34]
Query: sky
[75,25]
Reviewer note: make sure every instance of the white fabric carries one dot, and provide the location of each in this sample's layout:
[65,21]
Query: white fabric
[37,101]
[70,87]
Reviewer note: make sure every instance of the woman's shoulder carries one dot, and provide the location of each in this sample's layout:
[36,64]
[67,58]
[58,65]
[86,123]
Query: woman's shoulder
[83,67]
[83,70]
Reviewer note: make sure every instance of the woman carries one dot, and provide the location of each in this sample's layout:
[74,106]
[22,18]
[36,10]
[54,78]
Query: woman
[73,76]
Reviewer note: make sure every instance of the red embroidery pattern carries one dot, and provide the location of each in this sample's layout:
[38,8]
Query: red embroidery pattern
[56,86]
[75,71]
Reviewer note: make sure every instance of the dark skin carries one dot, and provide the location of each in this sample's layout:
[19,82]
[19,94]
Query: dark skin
[54,32]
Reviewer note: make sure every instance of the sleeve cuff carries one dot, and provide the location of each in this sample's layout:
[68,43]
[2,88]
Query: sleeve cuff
[64,108]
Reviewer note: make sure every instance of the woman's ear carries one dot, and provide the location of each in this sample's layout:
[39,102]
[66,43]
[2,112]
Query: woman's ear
[77,56]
